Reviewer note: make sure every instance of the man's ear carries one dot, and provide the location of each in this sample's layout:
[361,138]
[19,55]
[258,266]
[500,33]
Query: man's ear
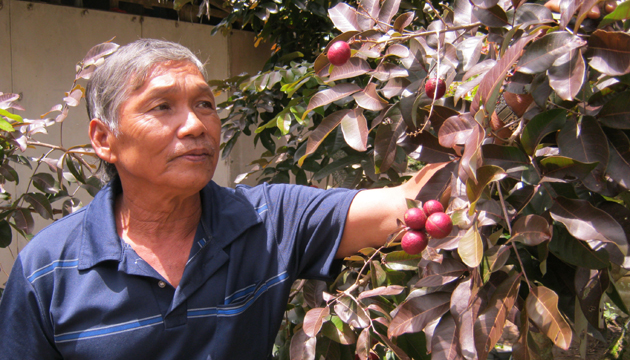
[102,139]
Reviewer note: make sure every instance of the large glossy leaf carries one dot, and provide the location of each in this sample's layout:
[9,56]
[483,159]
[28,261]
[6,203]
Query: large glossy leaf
[426,147]
[590,287]
[444,343]
[541,54]
[531,230]
[567,10]
[314,319]
[470,248]
[381,291]
[529,14]
[437,178]
[98,52]
[312,292]
[542,309]
[302,346]
[509,158]
[562,168]
[401,261]
[494,16]
[609,52]
[485,175]
[318,135]
[456,130]
[353,67]
[469,51]
[387,71]
[369,99]
[493,80]
[490,323]
[46,183]
[352,314]
[616,113]
[367,14]
[436,274]
[344,17]
[40,203]
[327,96]
[387,13]
[387,136]
[567,74]
[355,130]
[6,234]
[24,220]
[471,158]
[576,252]
[364,344]
[583,142]
[540,126]
[403,20]
[586,222]
[465,305]
[339,331]
[413,315]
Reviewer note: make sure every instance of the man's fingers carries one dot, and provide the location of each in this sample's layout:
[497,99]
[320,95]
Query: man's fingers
[595,12]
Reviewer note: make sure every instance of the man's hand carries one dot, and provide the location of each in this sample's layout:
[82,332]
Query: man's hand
[373,213]
[596,11]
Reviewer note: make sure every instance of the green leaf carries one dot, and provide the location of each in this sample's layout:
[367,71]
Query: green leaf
[586,222]
[609,52]
[531,230]
[564,168]
[470,248]
[401,261]
[46,183]
[576,252]
[542,309]
[415,314]
[485,175]
[11,116]
[336,166]
[542,53]
[540,126]
[622,12]
[5,234]
[616,113]
[40,203]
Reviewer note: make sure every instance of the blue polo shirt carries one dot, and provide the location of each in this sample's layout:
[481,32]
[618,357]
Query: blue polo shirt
[77,291]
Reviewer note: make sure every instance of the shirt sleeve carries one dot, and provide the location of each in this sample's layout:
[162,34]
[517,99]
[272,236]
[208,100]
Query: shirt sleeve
[25,333]
[309,225]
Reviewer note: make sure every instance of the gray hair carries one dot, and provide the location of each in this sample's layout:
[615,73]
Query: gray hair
[125,71]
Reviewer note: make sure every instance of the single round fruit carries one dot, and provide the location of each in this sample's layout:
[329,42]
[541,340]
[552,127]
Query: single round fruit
[414,242]
[339,53]
[435,88]
[439,225]
[432,207]
[415,218]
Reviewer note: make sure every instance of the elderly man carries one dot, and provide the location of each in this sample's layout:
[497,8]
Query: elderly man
[164,263]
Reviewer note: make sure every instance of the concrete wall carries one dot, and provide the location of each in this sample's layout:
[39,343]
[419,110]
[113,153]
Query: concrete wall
[41,44]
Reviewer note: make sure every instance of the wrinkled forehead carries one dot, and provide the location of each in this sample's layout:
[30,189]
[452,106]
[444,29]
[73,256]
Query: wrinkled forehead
[137,80]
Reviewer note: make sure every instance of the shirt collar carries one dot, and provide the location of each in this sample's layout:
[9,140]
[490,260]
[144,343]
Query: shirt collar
[225,216]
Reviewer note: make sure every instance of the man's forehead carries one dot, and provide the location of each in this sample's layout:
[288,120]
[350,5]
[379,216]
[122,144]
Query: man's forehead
[162,68]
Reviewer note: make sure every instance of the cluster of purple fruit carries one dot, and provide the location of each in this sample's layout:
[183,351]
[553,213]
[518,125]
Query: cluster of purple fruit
[430,220]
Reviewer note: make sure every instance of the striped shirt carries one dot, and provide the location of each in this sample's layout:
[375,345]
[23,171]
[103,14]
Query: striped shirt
[77,291]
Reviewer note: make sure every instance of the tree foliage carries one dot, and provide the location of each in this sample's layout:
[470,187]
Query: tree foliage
[528,152]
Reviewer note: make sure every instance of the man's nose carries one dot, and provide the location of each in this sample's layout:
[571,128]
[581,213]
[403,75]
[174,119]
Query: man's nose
[192,125]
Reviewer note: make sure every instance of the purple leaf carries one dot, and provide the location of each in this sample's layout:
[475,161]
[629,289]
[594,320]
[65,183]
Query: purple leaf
[609,52]
[344,17]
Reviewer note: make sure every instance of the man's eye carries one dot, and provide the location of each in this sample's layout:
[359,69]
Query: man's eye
[162,107]
[206,104]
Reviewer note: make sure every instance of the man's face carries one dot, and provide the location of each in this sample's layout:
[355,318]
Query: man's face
[169,131]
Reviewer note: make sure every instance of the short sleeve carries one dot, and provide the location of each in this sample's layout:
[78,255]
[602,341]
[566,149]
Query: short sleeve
[25,333]
[308,225]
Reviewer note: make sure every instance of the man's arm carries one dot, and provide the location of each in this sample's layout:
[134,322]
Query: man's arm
[373,213]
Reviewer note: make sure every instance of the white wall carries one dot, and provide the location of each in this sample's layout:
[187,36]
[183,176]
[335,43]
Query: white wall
[41,44]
